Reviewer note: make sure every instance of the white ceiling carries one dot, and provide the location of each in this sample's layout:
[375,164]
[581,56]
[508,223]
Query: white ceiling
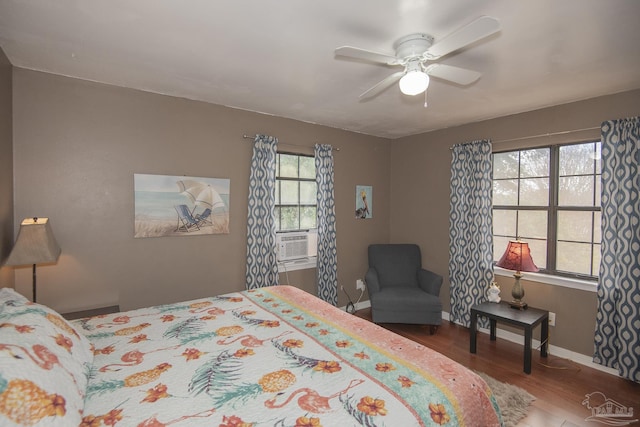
[277,56]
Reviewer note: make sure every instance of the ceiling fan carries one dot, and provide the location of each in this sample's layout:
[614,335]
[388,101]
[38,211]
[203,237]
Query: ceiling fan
[413,52]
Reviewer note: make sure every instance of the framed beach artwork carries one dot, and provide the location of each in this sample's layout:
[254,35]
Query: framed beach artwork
[168,205]
[364,202]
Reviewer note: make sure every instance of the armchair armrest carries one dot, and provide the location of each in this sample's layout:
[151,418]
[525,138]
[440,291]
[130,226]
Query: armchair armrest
[371,278]
[429,281]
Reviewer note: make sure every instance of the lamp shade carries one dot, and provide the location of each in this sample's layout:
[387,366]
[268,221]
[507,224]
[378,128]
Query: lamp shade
[35,243]
[517,257]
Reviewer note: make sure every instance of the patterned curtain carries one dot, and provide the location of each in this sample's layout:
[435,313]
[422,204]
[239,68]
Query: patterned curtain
[327,253]
[262,267]
[617,337]
[470,229]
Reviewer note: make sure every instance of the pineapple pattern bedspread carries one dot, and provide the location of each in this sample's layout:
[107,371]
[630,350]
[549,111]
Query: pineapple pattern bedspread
[276,356]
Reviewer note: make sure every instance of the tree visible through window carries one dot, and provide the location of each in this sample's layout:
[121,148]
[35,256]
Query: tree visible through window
[296,205]
[550,198]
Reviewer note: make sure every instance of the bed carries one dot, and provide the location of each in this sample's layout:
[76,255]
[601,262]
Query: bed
[276,356]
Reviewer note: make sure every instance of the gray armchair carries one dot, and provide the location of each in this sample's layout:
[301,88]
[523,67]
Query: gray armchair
[400,290]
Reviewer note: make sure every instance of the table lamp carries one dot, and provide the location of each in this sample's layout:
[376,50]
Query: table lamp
[35,245]
[517,257]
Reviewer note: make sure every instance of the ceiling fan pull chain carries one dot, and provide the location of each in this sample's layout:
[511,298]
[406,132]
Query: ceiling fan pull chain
[425,98]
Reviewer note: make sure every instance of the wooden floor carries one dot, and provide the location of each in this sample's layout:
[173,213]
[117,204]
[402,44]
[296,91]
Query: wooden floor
[559,388]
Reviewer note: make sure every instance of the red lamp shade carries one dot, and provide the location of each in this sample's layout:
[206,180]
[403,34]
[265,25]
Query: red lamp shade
[517,257]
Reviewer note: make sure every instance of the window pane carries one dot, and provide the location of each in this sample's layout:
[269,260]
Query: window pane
[289,192]
[522,178]
[577,159]
[505,193]
[505,165]
[290,218]
[307,167]
[308,217]
[308,193]
[575,226]
[532,224]
[296,193]
[504,222]
[576,190]
[534,192]
[574,257]
[534,163]
[288,166]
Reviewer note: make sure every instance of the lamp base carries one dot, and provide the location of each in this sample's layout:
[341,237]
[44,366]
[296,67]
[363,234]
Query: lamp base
[518,305]
[517,293]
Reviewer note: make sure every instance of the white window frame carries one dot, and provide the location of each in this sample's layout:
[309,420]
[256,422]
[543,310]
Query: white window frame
[549,279]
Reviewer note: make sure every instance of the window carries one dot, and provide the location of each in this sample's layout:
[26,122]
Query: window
[550,198]
[296,204]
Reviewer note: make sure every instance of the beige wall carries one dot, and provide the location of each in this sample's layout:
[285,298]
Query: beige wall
[420,197]
[77,145]
[6,170]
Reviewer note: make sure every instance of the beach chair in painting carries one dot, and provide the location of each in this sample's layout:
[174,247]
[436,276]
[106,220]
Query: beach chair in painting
[204,218]
[186,221]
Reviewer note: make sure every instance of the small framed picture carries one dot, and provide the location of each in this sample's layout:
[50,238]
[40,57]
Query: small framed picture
[364,202]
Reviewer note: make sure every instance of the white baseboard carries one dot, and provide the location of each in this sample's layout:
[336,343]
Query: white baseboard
[519,339]
[555,350]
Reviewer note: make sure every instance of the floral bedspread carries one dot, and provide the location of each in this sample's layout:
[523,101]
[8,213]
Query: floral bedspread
[275,356]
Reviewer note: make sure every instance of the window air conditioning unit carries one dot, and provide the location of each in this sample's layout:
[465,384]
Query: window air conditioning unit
[293,245]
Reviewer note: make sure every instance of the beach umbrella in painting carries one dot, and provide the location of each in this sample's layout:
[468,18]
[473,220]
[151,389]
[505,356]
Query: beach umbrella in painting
[201,194]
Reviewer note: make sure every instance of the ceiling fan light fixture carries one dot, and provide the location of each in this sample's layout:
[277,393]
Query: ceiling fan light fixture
[415,52]
[414,82]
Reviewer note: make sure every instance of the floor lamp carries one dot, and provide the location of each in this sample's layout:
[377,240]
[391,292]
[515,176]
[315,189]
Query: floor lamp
[35,245]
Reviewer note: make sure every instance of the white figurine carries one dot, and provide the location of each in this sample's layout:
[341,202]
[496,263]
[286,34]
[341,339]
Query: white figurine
[494,292]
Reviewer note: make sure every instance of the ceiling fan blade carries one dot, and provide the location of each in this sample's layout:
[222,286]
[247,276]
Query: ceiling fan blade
[381,86]
[476,30]
[367,55]
[458,75]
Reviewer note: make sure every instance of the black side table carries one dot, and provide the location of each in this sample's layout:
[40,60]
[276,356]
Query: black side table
[527,319]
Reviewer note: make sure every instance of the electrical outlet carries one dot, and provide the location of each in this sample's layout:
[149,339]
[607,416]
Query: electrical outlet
[552,319]
[359,285]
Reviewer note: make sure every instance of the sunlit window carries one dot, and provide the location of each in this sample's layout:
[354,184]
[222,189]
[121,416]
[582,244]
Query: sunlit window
[296,206]
[550,198]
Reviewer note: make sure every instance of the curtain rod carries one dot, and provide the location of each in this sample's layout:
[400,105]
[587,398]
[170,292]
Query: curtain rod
[564,132]
[245,136]
[542,135]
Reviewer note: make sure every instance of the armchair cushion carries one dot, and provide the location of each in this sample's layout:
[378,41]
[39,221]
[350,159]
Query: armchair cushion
[404,298]
[396,265]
